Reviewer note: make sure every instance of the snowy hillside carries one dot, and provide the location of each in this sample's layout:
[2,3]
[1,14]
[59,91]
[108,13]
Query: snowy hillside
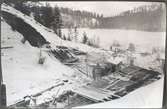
[145,18]
[20,64]
[45,32]
[74,20]
[48,34]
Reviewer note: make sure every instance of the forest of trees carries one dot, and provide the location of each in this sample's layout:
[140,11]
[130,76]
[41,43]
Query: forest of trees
[46,15]
[72,18]
[145,18]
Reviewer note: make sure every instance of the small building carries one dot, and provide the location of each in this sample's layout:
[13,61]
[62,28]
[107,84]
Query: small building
[100,70]
[97,72]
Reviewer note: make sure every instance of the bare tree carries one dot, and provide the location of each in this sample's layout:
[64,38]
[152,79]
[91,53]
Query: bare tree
[155,50]
[116,43]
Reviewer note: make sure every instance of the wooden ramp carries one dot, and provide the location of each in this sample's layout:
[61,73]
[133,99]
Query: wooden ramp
[93,94]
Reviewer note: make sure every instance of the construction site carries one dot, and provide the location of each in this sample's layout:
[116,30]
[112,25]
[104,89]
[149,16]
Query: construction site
[103,82]
[49,72]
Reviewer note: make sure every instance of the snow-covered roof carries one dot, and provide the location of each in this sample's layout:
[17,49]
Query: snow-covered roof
[116,60]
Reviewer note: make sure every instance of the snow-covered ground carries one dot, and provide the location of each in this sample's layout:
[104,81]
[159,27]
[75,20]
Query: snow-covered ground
[144,41]
[149,96]
[20,63]
[21,72]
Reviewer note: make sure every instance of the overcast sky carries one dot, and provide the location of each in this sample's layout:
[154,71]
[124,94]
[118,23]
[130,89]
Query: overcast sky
[101,7]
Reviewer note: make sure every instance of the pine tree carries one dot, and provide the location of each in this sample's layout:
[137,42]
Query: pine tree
[19,5]
[69,38]
[47,15]
[37,13]
[57,24]
[85,38]
[75,34]
[64,37]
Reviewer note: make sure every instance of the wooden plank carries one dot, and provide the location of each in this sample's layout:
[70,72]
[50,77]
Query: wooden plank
[7,47]
[48,89]
[92,93]
[86,96]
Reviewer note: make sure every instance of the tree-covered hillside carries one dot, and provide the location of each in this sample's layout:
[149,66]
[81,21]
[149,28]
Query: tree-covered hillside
[147,18]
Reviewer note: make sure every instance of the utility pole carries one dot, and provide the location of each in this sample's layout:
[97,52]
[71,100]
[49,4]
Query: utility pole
[86,65]
[68,98]
[103,59]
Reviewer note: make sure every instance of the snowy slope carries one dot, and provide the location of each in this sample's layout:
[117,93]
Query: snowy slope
[47,33]
[149,96]
[20,63]
[21,72]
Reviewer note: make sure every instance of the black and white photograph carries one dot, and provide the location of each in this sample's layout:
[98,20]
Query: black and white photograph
[82,54]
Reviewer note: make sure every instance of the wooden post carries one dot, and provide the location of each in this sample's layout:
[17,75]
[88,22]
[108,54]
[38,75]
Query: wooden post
[86,66]
[68,98]
[2,89]
[0,84]
[3,95]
